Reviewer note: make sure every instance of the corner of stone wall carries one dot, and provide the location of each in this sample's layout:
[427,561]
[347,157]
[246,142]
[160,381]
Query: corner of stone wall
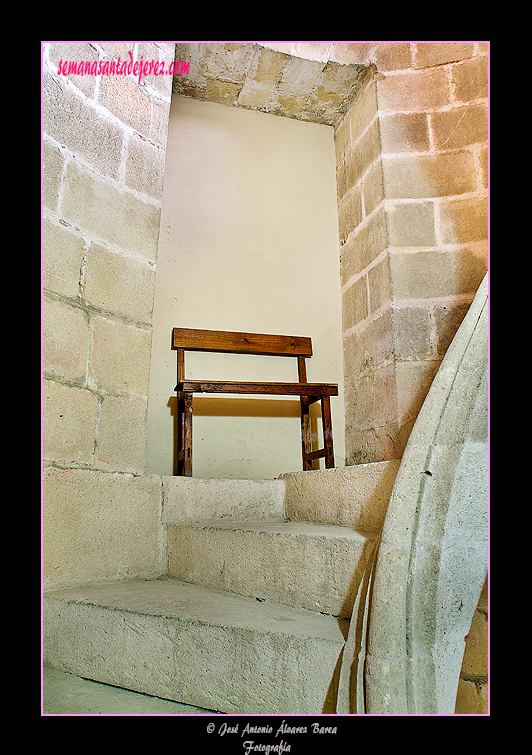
[369,366]
[103,149]
[412,203]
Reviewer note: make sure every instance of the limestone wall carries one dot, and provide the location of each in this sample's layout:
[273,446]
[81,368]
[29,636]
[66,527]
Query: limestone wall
[472,695]
[412,177]
[104,142]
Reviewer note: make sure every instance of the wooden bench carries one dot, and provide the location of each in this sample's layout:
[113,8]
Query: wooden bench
[186,339]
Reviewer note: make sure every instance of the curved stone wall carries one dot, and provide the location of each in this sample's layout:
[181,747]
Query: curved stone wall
[433,555]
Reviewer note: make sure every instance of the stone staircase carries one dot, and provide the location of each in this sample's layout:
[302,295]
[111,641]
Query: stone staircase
[253,613]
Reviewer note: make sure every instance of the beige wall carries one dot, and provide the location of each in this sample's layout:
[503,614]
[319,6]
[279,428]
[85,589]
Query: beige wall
[248,241]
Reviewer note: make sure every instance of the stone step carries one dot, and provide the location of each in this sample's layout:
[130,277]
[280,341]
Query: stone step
[316,567]
[194,498]
[355,496]
[194,645]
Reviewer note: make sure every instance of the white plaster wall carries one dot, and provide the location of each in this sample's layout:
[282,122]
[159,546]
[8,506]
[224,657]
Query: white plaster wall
[249,242]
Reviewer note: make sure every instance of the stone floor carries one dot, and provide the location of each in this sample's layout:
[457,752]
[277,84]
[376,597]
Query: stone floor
[69,694]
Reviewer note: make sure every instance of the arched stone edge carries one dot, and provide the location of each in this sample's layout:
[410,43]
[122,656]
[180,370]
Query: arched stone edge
[432,557]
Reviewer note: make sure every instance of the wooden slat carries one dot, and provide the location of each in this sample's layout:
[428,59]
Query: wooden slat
[327,431]
[287,389]
[311,455]
[240,343]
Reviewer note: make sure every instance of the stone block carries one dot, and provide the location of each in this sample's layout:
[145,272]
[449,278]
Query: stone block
[267,66]
[414,91]
[144,167]
[100,527]
[229,60]
[160,115]
[464,221]
[356,496]
[426,176]
[194,645]
[76,52]
[64,693]
[471,698]
[484,166]
[385,395]
[65,340]
[194,498]
[255,95]
[287,104]
[323,105]
[342,138]
[120,285]
[339,79]
[164,54]
[373,189]
[196,55]
[52,168]
[343,52]
[62,259]
[448,319]
[404,132]
[475,661]
[116,50]
[380,292]
[355,303]
[362,112]
[349,213]
[370,240]
[299,76]
[413,382]
[359,400]
[439,53]
[121,356]
[121,442]
[387,644]
[362,155]
[411,224]
[265,561]
[411,332]
[73,121]
[69,418]
[104,210]
[460,127]
[369,347]
[261,81]
[223,92]
[341,180]
[374,444]
[354,357]
[132,104]
[470,79]
[333,91]
[430,274]
[393,56]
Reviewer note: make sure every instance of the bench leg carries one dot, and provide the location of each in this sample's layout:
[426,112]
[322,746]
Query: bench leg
[306,438]
[184,440]
[327,431]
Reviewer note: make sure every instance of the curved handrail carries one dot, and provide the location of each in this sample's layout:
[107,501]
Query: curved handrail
[432,557]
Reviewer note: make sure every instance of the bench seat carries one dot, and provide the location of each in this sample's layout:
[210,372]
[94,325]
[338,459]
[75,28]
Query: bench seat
[189,339]
[315,390]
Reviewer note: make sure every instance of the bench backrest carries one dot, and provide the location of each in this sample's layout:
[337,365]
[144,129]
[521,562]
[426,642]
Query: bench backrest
[190,339]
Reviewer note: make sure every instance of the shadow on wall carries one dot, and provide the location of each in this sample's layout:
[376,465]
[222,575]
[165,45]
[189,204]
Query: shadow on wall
[221,406]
